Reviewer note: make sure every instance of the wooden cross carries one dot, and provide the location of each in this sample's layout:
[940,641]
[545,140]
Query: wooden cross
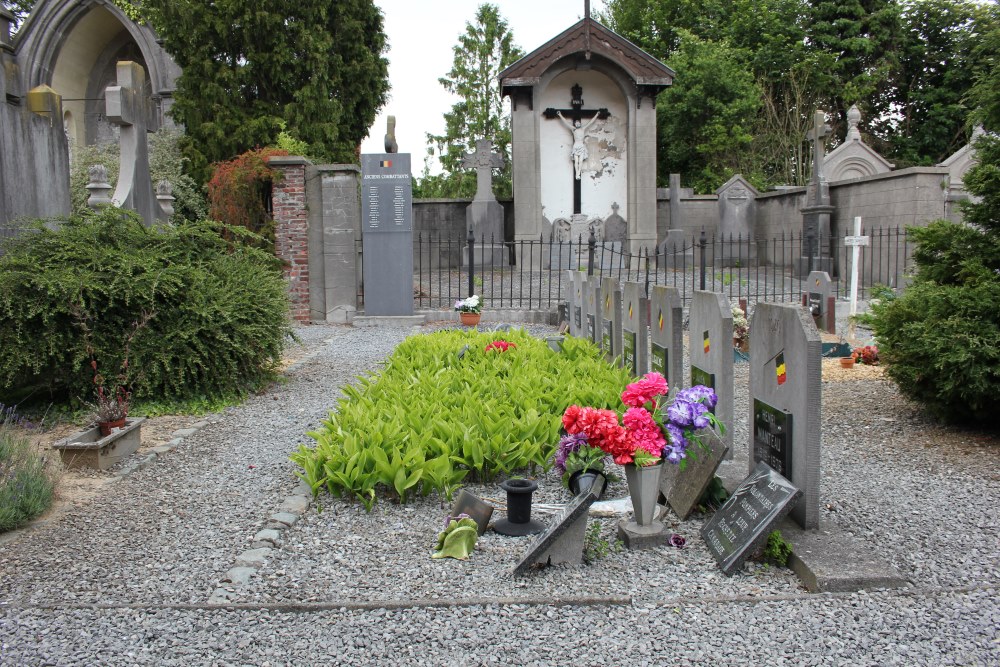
[484,161]
[819,130]
[576,113]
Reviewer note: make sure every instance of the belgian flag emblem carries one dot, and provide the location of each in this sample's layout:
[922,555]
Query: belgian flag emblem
[706,343]
[660,320]
[607,302]
[630,310]
[779,368]
[385,163]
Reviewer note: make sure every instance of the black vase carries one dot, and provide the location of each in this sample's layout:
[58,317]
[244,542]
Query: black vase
[518,521]
[582,481]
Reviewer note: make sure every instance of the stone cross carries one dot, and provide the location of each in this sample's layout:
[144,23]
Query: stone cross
[819,130]
[127,106]
[484,161]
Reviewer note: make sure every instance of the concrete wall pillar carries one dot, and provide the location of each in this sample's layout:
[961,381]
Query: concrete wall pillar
[335,228]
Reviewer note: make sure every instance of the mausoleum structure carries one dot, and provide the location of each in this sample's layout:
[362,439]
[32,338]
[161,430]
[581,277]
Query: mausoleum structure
[854,158]
[583,111]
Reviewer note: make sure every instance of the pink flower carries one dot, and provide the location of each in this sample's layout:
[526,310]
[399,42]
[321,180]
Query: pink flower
[644,390]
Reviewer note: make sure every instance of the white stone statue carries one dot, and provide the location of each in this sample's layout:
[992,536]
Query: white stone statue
[579,131]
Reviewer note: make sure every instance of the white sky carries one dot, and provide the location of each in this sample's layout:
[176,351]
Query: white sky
[421,36]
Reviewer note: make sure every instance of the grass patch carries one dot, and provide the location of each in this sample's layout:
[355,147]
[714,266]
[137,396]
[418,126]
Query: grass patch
[445,408]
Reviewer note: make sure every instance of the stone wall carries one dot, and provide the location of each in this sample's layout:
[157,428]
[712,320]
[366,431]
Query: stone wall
[34,157]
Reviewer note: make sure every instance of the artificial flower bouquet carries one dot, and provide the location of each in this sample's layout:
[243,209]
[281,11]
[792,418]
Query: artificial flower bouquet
[648,431]
[867,355]
[471,305]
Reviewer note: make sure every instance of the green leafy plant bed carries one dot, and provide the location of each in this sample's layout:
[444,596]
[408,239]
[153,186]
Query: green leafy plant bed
[454,404]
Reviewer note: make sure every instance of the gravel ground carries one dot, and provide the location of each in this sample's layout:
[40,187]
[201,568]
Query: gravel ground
[126,579]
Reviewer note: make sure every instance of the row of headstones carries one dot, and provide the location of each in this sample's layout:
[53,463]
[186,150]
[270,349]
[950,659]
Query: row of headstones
[646,334]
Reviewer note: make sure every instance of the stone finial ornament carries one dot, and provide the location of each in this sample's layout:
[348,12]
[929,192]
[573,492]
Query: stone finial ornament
[98,186]
[165,196]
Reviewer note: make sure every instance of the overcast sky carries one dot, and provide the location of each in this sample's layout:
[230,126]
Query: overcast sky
[421,36]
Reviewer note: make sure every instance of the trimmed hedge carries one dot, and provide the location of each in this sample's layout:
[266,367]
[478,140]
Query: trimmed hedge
[196,315]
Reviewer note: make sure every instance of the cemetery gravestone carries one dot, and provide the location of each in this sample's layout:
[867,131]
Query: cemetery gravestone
[737,216]
[785,400]
[742,525]
[635,334]
[594,310]
[711,350]
[484,216]
[684,488]
[666,326]
[576,317]
[820,301]
[387,233]
[562,542]
[611,319]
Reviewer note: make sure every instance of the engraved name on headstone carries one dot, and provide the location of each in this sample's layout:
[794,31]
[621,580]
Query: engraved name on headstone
[742,525]
[772,437]
[387,233]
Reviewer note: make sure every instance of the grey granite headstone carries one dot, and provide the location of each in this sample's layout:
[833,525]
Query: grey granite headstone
[615,226]
[594,309]
[742,525]
[666,327]
[737,214]
[611,320]
[786,399]
[484,216]
[586,307]
[576,323]
[387,233]
[684,488]
[820,300]
[563,540]
[635,331]
[711,350]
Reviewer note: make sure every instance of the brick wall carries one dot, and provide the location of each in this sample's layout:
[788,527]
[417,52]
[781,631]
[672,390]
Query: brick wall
[291,234]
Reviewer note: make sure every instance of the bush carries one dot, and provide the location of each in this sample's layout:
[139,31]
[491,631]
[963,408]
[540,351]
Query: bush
[940,340]
[192,314]
[240,190]
[445,407]
[25,486]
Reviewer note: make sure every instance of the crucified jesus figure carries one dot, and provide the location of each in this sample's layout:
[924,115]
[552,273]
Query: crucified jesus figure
[579,131]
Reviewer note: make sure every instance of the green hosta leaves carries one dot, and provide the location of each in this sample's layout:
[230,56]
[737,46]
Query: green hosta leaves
[430,418]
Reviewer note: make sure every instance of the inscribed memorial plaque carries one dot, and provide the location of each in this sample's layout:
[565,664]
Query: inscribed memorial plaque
[772,437]
[592,327]
[698,376]
[660,360]
[742,525]
[629,352]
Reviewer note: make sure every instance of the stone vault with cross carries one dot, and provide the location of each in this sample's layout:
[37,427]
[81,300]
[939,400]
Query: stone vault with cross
[583,113]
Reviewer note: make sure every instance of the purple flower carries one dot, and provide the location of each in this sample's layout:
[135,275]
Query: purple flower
[568,444]
[676,435]
[676,540]
[700,421]
[674,454]
[681,413]
[699,394]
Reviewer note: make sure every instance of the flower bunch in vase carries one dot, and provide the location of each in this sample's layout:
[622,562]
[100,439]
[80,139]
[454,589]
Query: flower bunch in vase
[473,304]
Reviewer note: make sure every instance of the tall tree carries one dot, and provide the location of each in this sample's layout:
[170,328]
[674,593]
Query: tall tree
[936,66]
[483,51]
[311,67]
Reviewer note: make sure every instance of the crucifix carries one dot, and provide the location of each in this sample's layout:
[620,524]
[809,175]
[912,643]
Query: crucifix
[819,130]
[574,118]
[484,161]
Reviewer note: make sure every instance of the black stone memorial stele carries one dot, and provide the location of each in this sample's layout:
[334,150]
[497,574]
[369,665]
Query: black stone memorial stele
[699,376]
[742,525]
[772,437]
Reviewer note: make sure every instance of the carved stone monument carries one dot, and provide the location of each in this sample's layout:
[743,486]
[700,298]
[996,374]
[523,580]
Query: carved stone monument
[737,218]
[484,216]
[816,214]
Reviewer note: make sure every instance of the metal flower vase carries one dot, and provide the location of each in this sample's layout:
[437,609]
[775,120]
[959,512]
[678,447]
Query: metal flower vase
[643,531]
[644,489]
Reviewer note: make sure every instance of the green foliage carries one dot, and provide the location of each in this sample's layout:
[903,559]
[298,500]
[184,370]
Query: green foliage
[715,495]
[705,118]
[205,318]
[940,340]
[596,546]
[312,68]
[457,540]
[777,551]
[165,163]
[26,488]
[483,51]
[430,417]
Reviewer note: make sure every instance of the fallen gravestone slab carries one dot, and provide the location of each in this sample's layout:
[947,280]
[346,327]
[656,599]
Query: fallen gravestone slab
[742,525]
[562,541]
[684,488]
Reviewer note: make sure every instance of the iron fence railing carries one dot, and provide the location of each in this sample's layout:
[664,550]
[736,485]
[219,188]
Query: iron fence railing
[531,274]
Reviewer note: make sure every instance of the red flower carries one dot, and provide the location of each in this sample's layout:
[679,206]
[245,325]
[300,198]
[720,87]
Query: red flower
[501,345]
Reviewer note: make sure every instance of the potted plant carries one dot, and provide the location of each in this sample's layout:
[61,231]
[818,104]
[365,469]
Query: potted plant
[649,433]
[112,401]
[580,464]
[469,310]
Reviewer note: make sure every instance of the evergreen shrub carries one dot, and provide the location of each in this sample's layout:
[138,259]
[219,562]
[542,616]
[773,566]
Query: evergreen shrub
[178,312]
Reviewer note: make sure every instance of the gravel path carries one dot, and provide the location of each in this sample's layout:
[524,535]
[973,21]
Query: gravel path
[126,579]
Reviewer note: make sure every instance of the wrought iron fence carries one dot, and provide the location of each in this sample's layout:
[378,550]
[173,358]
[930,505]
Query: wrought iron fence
[531,274]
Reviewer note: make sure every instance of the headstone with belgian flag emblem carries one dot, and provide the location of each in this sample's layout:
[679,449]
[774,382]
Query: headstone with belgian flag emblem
[711,352]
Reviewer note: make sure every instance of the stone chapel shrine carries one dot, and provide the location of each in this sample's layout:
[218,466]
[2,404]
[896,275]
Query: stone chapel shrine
[583,113]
